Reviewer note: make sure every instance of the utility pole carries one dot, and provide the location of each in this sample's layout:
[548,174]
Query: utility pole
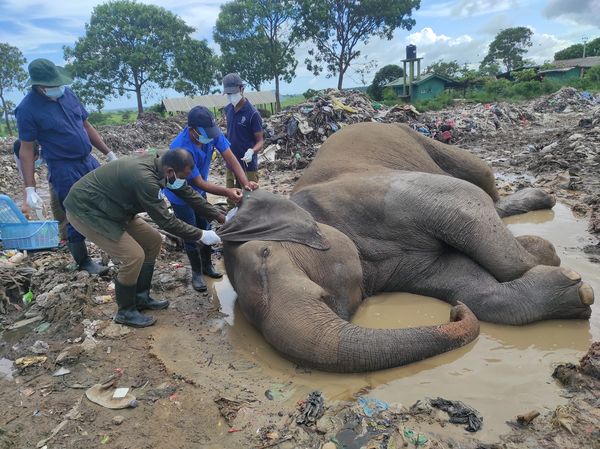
[584,39]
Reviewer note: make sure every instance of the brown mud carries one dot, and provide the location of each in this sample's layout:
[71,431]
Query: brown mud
[204,378]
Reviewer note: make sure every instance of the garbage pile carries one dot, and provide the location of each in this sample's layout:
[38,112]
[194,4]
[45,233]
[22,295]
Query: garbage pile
[299,131]
[567,99]
[148,131]
[471,121]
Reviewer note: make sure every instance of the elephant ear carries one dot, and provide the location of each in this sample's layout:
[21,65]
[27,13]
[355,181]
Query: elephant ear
[265,216]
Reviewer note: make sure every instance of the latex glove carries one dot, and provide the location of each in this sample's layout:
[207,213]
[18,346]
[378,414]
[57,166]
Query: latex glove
[248,155]
[210,238]
[111,156]
[231,214]
[33,199]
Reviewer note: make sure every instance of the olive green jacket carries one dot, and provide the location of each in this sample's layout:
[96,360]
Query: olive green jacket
[107,198]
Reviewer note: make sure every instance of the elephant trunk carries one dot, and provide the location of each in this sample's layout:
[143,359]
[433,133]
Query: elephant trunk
[324,341]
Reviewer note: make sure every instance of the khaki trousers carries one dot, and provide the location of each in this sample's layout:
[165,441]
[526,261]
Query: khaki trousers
[139,243]
[58,212]
[231,182]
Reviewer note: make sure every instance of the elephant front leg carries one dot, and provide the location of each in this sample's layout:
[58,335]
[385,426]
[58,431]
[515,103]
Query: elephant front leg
[523,201]
[542,293]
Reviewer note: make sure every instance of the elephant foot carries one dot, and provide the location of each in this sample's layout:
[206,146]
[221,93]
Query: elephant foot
[523,201]
[541,249]
[557,293]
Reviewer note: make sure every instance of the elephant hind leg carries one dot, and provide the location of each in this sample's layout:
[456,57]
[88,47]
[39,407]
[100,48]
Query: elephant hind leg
[523,201]
[542,293]
[541,249]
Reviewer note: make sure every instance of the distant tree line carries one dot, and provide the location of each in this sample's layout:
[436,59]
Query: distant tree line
[131,48]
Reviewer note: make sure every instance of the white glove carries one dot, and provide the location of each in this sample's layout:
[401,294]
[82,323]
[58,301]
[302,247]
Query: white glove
[210,238]
[248,155]
[111,156]
[231,214]
[33,199]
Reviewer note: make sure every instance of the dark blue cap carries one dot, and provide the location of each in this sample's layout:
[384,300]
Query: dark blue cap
[200,116]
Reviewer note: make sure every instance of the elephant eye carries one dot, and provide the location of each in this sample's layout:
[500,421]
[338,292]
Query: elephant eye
[266,252]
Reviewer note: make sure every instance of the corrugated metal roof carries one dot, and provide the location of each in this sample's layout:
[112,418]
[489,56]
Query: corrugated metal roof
[184,104]
[400,81]
[578,62]
[564,69]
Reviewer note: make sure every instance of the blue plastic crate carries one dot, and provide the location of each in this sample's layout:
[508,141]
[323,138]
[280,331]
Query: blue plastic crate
[9,212]
[29,235]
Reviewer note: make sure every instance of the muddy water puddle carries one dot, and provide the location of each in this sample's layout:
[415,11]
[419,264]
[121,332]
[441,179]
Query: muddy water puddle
[505,372]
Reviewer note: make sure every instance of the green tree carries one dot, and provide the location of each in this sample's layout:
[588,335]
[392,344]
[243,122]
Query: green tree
[525,75]
[508,47]
[450,69]
[337,27]
[383,76]
[129,47]
[257,37]
[197,67]
[593,75]
[12,76]
[592,48]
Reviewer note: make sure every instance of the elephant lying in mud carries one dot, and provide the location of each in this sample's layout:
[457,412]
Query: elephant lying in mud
[384,209]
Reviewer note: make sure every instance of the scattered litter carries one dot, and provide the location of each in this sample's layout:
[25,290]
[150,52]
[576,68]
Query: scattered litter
[527,418]
[27,298]
[310,409]
[72,414]
[372,406]
[120,393]
[61,372]
[43,327]
[24,362]
[118,420]
[39,347]
[459,413]
[23,323]
[105,397]
[102,299]
[104,439]
[418,439]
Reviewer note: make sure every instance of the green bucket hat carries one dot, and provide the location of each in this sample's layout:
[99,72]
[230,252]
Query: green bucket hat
[43,72]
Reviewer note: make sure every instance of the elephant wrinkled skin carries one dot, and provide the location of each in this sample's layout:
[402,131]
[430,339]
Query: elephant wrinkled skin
[390,210]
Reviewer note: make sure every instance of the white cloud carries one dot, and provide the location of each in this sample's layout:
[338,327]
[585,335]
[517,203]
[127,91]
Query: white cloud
[468,8]
[585,12]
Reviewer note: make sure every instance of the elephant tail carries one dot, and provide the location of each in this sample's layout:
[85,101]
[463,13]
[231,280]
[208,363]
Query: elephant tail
[321,339]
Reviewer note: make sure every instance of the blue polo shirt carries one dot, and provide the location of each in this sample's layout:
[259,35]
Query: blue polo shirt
[241,126]
[56,125]
[202,158]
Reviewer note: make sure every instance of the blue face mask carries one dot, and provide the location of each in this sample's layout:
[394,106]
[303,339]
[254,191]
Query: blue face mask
[38,163]
[177,183]
[202,137]
[54,92]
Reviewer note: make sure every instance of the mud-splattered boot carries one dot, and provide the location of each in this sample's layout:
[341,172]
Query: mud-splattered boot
[196,263]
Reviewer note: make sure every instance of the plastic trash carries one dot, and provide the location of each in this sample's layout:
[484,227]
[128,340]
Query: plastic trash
[371,406]
[24,362]
[104,396]
[28,298]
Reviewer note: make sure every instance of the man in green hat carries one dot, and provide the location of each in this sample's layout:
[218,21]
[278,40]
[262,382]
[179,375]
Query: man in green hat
[53,115]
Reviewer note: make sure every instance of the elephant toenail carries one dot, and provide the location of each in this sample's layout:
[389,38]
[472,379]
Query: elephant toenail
[586,294]
[572,275]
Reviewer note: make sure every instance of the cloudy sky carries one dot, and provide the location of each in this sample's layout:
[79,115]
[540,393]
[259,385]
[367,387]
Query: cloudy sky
[445,29]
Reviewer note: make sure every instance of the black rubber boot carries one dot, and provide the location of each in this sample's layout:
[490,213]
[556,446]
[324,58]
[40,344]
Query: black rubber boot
[196,263]
[143,299]
[207,266]
[128,314]
[83,260]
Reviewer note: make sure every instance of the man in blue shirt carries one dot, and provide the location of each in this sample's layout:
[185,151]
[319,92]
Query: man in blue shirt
[200,138]
[51,114]
[244,131]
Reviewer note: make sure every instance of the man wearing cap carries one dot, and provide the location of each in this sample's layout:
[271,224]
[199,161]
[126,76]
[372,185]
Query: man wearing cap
[103,205]
[244,131]
[200,138]
[53,115]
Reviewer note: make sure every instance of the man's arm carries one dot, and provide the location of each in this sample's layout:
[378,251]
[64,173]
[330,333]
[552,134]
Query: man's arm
[234,195]
[27,163]
[199,204]
[237,169]
[95,138]
[260,141]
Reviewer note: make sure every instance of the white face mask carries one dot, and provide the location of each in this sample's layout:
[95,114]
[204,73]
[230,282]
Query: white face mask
[234,99]
[54,92]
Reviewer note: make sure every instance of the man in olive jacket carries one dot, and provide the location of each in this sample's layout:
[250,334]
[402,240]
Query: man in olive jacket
[103,205]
